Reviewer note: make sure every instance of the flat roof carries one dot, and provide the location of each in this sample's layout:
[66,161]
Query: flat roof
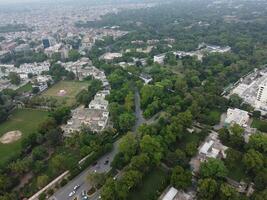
[170,194]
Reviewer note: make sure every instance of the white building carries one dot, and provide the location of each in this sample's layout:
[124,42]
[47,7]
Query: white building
[159,58]
[261,96]
[98,103]
[171,193]
[111,56]
[237,116]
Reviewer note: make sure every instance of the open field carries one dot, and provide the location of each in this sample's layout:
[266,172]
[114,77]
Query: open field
[261,125]
[66,91]
[152,186]
[25,88]
[23,120]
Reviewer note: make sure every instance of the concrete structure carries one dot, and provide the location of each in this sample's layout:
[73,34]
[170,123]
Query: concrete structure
[261,100]
[252,88]
[159,58]
[98,103]
[210,148]
[237,116]
[95,119]
[172,193]
[111,56]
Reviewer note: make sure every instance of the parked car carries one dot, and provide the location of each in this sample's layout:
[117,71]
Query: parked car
[106,162]
[71,193]
[76,187]
[84,193]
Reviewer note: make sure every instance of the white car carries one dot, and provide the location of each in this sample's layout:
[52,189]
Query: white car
[76,187]
[71,194]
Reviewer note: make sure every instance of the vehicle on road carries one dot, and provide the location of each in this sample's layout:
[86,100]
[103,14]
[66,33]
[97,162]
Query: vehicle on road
[95,163]
[106,162]
[76,187]
[83,193]
[71,193]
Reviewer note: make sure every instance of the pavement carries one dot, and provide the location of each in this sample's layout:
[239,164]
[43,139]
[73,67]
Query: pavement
[63,193]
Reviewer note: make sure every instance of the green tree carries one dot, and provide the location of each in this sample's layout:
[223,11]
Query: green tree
[140,162]
[74,55]
[14,78]
[233,157]
[42,180]
[150,146]
[191,149]
[128,146]
[213,168]
[261,179]
[39,153]
[126,121]
[253,161]
[129,102]
[228,193]
[21,166]
[54,136]
[181,178]
[96,179]
[109,190]
[258,142]
[207,189]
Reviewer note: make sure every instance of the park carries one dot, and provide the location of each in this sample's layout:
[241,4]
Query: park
[20,124]
[66,91]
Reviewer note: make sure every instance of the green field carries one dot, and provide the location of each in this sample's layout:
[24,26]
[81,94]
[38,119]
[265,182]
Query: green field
[72,88]
[152,186]
[261,125]
[24,120]
[25,88]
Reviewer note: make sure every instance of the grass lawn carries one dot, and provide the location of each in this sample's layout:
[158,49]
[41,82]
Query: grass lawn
[152,186]
[24,120]
[25,88]
[261,125]
[72,88]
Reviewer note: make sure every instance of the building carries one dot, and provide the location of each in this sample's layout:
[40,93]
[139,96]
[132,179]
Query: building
[22,48]
[210,148]
[159,59]
[46,43]
[146,78]
[172,193]
[96,120]
[111,56]
[252,88]
[261,96]
[98,103]
[237,116]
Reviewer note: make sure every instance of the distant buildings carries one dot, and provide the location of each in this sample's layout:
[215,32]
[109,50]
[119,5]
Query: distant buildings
[237,116]
[110,56]
[46,43]
[25,69]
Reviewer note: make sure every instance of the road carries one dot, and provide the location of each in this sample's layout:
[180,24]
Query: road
[138,112]
[63,193]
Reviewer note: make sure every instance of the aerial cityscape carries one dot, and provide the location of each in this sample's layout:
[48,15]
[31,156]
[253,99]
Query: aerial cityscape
[133,100]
